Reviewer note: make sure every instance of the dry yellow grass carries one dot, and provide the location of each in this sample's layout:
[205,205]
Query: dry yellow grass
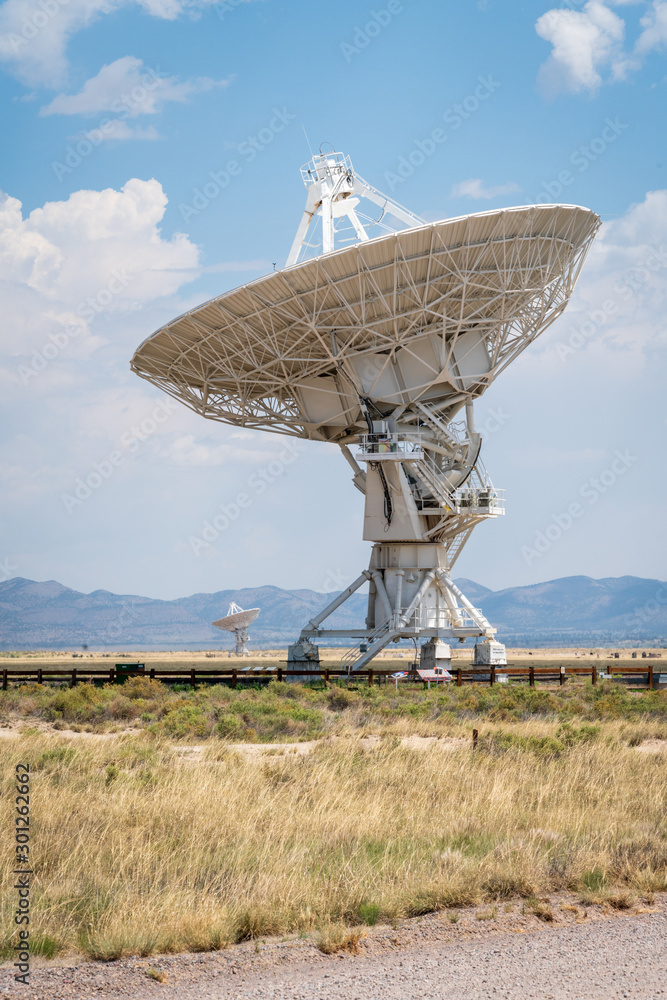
[136,851]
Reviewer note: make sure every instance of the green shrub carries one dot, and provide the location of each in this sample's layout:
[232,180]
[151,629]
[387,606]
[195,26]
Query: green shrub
[593,880]
[123,708]
[229,727]
[144,687]
[111,773]
[50,759]
[498,742]
[187,720]
[369,913]
[44,945]
[570,736]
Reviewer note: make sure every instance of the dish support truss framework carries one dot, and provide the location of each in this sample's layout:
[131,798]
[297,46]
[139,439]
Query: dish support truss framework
[425,490]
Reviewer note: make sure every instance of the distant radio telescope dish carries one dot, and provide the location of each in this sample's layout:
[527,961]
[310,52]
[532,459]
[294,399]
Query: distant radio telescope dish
[237,621]
[379,334]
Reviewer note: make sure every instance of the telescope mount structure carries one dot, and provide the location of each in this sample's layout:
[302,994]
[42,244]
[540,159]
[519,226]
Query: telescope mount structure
[378,336]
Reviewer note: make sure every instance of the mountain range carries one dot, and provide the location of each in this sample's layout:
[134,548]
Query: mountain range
[574,610]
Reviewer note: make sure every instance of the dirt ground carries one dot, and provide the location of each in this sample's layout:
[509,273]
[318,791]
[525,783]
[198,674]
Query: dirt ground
[501,952]
[256,751]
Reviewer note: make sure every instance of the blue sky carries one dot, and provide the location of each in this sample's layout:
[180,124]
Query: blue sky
[117,113]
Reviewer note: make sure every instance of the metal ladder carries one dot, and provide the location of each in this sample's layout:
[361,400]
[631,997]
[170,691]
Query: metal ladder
[380,637]
[429,475]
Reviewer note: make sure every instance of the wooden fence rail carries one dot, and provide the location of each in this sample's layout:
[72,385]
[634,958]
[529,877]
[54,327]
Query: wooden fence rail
[643,676]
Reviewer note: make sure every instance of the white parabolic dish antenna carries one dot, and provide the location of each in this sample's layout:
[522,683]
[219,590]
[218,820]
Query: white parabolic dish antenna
[384,344]
[237,621]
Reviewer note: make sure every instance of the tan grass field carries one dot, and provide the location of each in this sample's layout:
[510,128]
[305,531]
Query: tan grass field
[169,818]
[137,850]
[389,659]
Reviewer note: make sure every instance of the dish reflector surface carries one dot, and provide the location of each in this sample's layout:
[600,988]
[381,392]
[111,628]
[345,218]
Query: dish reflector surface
[430,314]
[239,620]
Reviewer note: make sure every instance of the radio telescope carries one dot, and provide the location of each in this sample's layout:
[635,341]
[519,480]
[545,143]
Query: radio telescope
[379,335]
[237,621]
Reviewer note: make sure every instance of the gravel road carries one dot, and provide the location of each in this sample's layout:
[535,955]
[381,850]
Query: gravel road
[584,955]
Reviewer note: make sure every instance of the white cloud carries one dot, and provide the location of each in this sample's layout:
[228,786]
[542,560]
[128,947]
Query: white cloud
[654,23]
[588,44]
[584,44]
[474,188]
[191,450]
[127,87]
[617,313]
[168,10]
[72,262]
[33,39]
[34,34]
[643,225]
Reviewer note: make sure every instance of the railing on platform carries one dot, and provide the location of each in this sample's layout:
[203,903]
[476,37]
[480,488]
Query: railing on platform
[486,500]
[390,447]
